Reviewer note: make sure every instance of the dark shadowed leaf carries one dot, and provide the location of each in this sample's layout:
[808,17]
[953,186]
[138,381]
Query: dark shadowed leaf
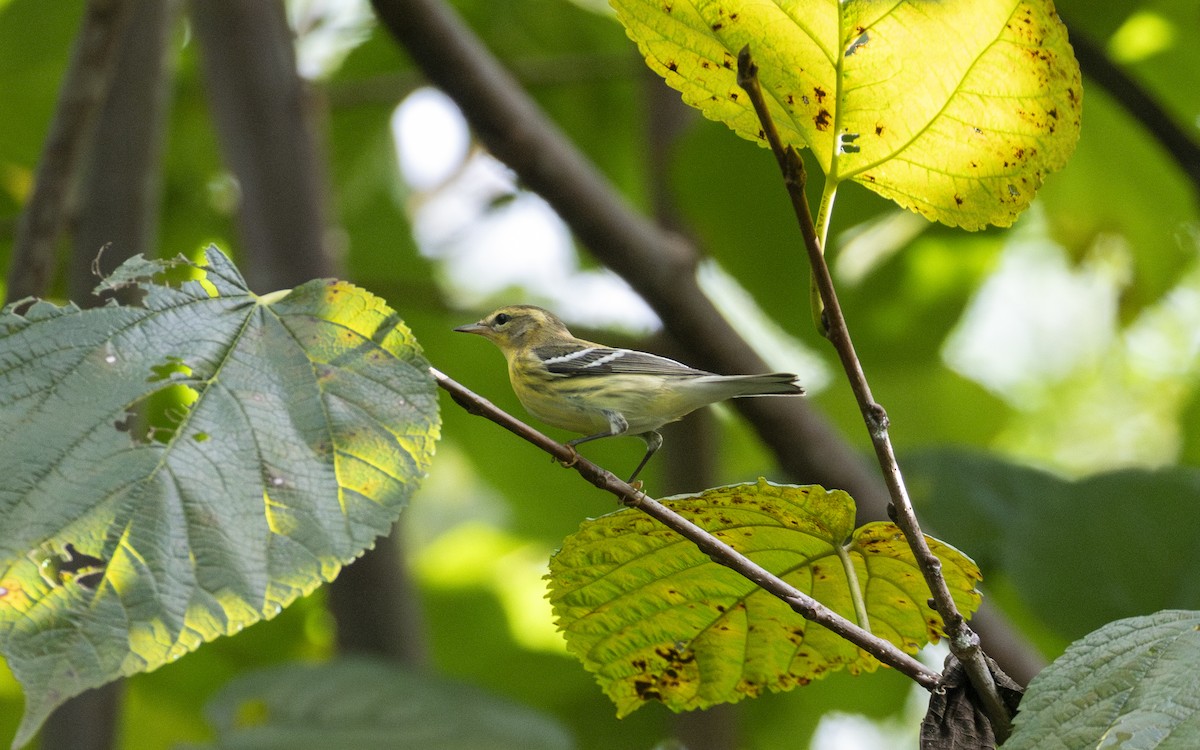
[956,719]
[364,704]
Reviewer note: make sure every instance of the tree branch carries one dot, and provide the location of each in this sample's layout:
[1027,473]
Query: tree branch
[963,641]
[720,552]
[264,122]
[120,193]
[118,179]
[657,264]
[84,87]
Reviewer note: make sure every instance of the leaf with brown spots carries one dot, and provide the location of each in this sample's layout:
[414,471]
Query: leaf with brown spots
[941,94]
[656,619]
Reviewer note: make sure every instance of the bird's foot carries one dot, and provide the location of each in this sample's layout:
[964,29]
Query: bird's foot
[568,463]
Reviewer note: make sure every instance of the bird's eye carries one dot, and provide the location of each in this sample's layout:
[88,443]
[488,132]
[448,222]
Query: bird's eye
[502,318]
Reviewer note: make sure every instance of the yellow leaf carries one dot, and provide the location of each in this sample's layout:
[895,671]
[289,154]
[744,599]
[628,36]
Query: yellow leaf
[655,619]
[956,110]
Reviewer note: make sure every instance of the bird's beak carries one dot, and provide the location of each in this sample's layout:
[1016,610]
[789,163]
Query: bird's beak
[479,328]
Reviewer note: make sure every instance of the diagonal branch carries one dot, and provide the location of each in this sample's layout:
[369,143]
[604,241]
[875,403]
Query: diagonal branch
[720,552]
[963,642]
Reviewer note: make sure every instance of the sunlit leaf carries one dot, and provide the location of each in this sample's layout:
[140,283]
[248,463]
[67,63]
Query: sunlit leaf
[655,619]
[955,110]
[1131,684]
[361,704]
[188,464]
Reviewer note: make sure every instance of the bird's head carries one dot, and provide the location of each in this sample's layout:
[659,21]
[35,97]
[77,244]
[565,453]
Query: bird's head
[515,326]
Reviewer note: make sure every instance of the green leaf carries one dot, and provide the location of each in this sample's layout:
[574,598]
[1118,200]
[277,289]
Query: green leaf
[184,466]
[955,110]
[355,703]
[654,618]
[1131,684]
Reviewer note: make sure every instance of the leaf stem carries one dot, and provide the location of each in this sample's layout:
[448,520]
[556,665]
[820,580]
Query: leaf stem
[856,594]
[964,643]
[824,213]
[719,551]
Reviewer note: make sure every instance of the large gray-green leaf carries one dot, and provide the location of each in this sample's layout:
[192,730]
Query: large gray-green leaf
[363,704]
[180,467]
[1131,684]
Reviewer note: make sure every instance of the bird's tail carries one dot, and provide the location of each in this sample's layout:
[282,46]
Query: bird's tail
[769,384]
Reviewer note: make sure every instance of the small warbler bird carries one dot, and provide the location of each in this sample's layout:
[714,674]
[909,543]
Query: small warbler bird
[604,392]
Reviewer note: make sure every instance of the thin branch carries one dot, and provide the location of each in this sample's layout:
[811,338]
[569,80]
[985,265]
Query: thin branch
[963,641]
[84,87]
[659,265]
[720,552]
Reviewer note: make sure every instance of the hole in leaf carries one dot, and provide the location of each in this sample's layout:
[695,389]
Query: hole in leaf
[862,39]
[69,564]
[176,274]
[156,417]
[846,143]
[170,368]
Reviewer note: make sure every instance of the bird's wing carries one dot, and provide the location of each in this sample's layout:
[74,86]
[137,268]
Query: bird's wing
[575,360]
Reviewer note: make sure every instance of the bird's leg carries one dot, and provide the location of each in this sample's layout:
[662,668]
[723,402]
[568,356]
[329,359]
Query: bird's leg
[654,441]
[616,426]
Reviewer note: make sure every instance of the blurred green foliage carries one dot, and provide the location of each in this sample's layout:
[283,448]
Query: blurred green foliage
[1122,198]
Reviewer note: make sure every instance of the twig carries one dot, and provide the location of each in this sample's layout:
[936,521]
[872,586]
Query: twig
[964,643]
[719,551]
